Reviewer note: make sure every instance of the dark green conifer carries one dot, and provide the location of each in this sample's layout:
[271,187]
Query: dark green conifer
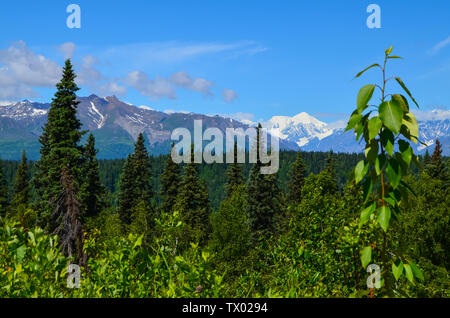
[21,185]
[263,196]
[436,167]
[170,182]
[60,148]
[234,175]
[298,174]
[193,205]
[3,192]
[95,192]
[135,181]
[142,170]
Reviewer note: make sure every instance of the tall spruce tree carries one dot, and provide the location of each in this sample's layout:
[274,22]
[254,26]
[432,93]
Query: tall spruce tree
[170,182]
[21,194]
[94,192]
[330,171]
[3,192]
[126,196]
[436,167]
[263,196]
[298,174]
[193,205]
[135,181]
[234,175]
[60,149]
[142,170]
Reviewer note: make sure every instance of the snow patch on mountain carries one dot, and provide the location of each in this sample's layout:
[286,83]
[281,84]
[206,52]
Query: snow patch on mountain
[100,120]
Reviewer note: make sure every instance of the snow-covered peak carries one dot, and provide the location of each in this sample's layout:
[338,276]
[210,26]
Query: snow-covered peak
[145,107]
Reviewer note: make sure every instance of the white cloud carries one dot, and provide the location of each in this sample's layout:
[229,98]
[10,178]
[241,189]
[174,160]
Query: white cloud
[199,85]
[229,95]
[155,89]
[174,51]
[439,46]
[112,88]
[21,70]
[88,74]
[435,114]
[68,49]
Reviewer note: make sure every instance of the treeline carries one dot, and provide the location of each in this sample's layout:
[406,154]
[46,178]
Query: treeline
[213,174]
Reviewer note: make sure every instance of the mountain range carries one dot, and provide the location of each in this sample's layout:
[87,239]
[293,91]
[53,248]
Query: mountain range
[116,125]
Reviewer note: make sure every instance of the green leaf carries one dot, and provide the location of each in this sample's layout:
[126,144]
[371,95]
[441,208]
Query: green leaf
[400,82]
[394,173]
[379,163]
[390,200]
[21,252]
[367,188]
[397,270]
[383,217]
[402,101]
[387,140]
[395,57]
[360,73]
[416,271]
[388,51]
[374,127]
[360,170]
[138,241]
[391,115]
[371,150]
[366,256]
[353,121]
[365,214]
[410,122]
[364,96]
[409,273]
[406,151]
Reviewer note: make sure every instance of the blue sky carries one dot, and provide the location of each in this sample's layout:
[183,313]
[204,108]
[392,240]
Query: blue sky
[251,58]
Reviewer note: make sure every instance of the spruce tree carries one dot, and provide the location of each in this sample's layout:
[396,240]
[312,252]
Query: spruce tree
[193,205]
[135,181]
[263,196]
[126,196]
[170,182]
[60,148]
[331,173]
[94,191]
[436,168]
[298,174]
[231,231]
[3,192]
[142,170]
[234,175]
[21,185]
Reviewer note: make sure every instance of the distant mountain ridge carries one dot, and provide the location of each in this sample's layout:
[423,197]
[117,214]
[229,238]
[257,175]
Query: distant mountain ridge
[116,125]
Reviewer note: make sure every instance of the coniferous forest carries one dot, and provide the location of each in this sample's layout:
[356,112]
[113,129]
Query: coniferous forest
[145,226]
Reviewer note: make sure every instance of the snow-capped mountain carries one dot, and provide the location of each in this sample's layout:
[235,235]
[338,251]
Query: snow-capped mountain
[301,128]
[116,125]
